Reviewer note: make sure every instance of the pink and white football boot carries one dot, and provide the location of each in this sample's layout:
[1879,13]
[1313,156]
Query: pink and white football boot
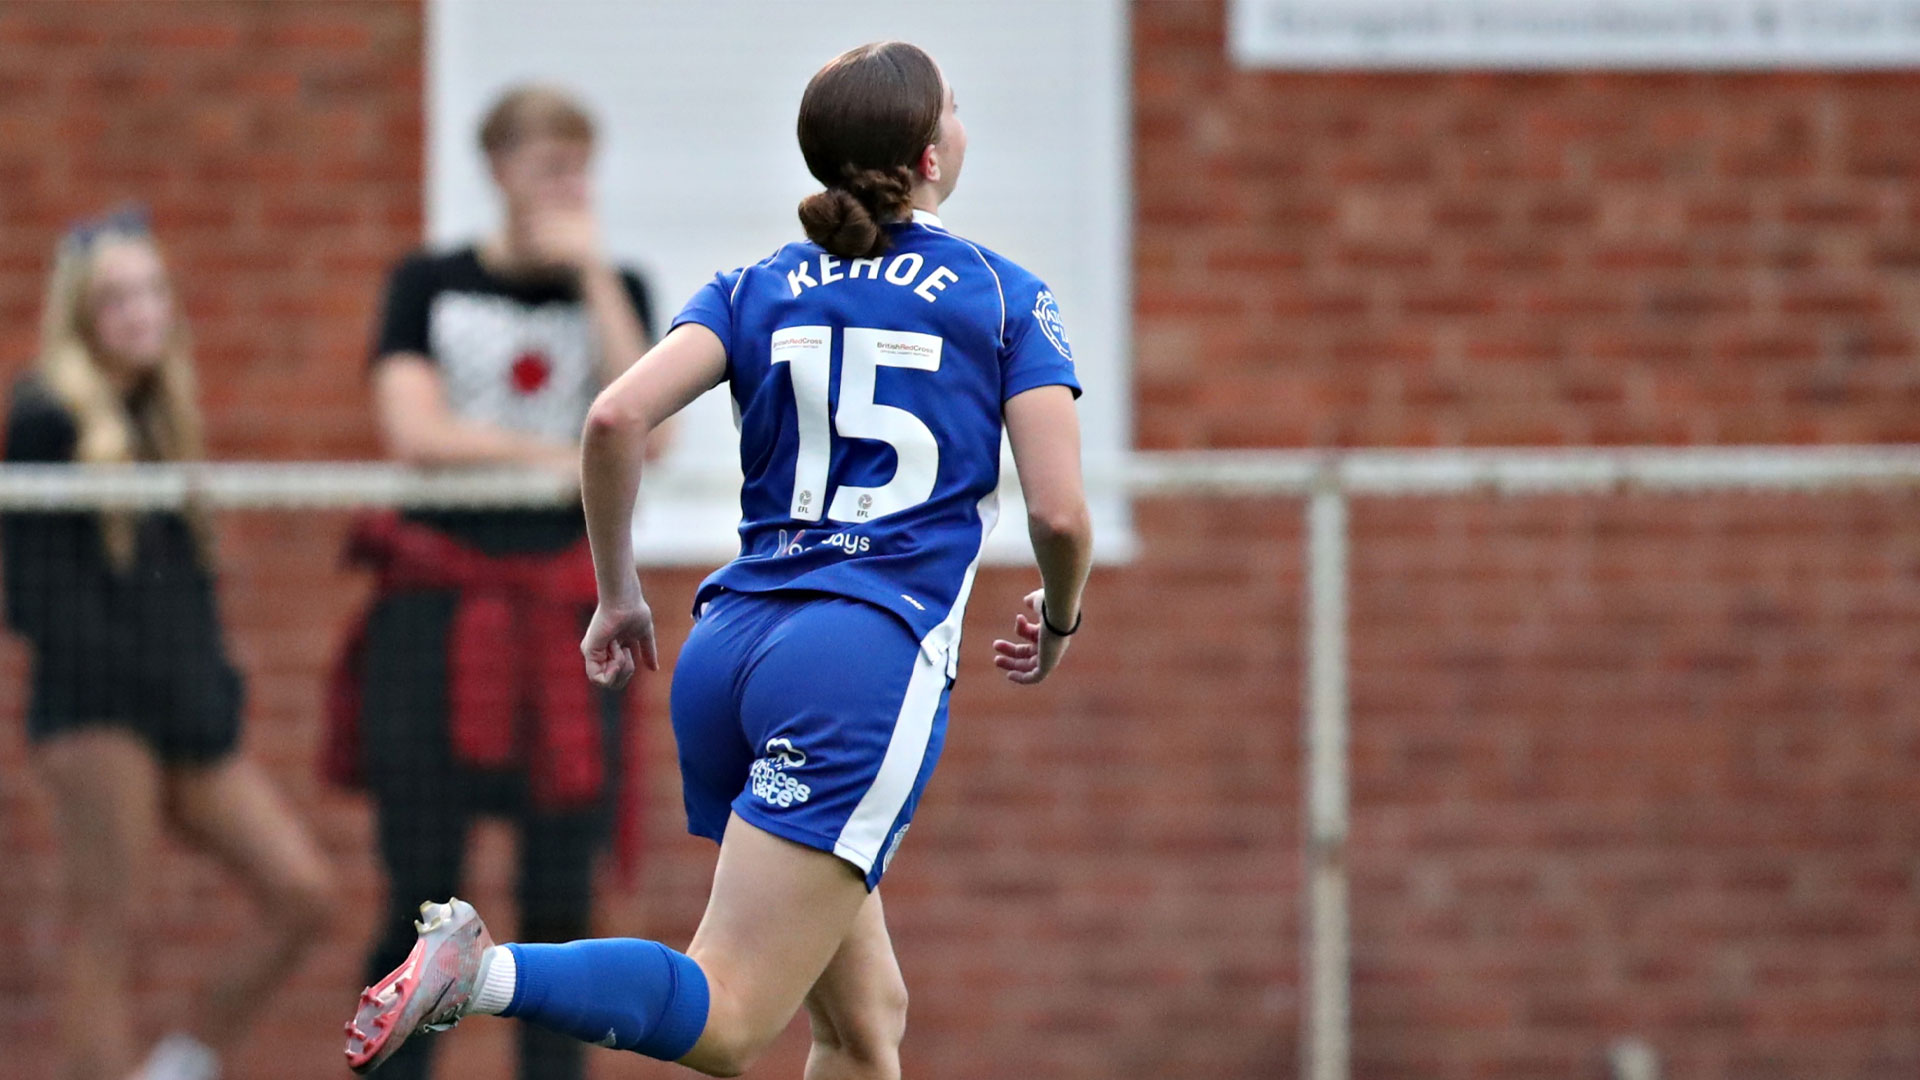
[427,993]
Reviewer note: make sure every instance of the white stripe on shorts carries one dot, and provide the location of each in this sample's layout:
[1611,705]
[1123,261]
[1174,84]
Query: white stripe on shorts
[865,833]
[860,840]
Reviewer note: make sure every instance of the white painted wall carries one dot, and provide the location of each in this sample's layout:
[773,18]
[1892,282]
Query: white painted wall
[699,170]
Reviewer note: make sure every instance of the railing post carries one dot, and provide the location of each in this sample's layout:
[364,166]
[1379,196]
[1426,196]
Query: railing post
[1326,1049]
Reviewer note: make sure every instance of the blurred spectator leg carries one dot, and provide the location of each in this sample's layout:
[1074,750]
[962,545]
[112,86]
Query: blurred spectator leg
[106,794]
[422,805]
[232,811]
[556,904]
[423,842]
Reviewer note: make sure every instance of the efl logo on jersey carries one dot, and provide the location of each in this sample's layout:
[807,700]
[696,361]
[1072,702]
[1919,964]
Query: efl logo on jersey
[1047,314]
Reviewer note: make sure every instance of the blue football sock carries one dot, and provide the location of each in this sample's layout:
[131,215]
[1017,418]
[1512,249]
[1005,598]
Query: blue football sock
[620,992]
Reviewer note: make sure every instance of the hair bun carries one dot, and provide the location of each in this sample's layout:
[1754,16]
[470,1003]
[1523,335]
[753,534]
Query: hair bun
[841,223]
[886,193]
[845,219]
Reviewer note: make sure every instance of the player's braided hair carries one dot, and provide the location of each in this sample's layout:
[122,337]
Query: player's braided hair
[845,219]
[864,122]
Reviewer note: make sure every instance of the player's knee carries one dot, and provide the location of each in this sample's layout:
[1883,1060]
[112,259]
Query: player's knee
[731,1041]
[865,1036]
[875,1034]
[725,1054]
[895,1002]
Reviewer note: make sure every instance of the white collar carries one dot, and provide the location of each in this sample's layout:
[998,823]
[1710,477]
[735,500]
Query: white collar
[924,217]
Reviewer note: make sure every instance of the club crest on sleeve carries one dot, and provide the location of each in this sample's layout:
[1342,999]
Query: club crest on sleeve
[1047,314]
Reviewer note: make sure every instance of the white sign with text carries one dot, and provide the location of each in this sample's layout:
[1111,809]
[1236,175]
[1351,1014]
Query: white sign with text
[1543,34]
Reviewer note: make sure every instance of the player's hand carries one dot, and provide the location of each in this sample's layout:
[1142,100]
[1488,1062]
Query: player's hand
[1037,652]
[619,632]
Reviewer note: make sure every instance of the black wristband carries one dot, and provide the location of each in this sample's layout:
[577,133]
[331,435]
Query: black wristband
[1056,631]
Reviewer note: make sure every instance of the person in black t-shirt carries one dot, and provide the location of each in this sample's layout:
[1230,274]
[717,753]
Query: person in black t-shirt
[491,354]
[134,711]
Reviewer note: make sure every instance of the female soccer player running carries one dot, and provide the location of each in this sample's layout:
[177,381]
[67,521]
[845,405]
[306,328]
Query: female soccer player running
[874,369]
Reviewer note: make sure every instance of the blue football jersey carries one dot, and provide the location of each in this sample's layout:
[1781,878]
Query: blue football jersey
[869,395]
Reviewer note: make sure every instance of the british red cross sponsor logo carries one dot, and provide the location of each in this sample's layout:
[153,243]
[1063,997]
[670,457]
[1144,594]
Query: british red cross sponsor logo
[530,372]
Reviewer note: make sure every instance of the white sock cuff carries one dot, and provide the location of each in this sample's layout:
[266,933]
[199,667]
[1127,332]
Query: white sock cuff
[493,992]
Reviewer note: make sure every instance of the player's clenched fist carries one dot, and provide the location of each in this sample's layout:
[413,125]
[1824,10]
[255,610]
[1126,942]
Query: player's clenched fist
[614,638]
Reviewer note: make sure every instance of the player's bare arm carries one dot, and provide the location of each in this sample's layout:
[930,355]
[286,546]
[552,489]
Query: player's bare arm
[1044,427]
[689,362]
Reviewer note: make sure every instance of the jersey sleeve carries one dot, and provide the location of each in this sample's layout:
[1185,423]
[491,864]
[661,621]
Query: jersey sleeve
[1034,351]
[712,307]
[404,316]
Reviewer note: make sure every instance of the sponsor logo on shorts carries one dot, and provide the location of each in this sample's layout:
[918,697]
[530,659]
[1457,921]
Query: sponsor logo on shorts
[784,752]
[768,777]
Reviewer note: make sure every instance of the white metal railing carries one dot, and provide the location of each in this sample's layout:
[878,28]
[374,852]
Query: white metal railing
[1325,480]
[316,485]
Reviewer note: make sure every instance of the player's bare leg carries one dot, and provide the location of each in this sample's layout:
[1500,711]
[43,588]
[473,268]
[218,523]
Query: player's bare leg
[106,795]
[231,811]
[858,1008]
[778,914]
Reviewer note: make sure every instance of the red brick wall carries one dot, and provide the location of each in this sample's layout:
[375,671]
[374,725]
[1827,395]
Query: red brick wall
[1622,766]
[1518,259]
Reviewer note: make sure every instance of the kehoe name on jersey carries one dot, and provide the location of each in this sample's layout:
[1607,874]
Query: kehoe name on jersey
[902,270]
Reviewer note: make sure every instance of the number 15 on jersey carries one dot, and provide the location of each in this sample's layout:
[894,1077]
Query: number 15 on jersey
[808,353]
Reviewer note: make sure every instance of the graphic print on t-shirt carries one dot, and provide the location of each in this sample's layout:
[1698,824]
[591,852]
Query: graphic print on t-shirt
[525,367]
[531,371]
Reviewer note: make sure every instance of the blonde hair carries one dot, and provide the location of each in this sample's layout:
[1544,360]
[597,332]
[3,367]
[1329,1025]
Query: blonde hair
[162,424]
[523,112]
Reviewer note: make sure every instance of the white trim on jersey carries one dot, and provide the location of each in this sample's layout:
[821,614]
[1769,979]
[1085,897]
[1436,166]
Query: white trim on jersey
[866,831]
[997,286]
[922,217]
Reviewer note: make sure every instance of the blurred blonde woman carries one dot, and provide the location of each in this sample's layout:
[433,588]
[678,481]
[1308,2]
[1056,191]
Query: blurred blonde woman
[134,714]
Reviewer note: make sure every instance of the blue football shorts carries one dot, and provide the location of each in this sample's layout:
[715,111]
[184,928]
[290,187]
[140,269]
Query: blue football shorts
[815,717]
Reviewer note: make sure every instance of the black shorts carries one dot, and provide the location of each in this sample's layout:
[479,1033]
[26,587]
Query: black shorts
[187,710]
